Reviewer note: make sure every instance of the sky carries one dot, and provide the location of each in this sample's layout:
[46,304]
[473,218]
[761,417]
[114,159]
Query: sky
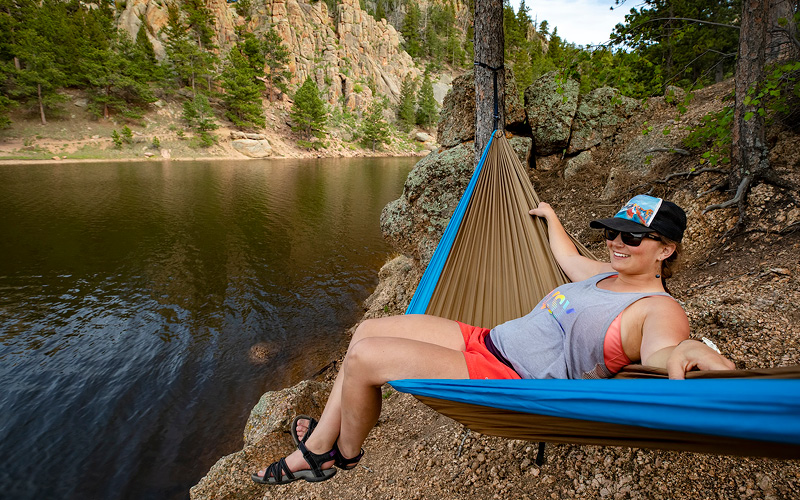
[579,21]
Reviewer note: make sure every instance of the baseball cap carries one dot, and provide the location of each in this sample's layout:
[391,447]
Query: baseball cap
[647,214]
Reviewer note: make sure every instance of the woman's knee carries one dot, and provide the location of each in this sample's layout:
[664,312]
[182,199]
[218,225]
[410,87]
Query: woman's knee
[370,328]
[362,358]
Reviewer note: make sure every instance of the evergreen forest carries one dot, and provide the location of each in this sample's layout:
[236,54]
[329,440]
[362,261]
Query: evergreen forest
[49,46]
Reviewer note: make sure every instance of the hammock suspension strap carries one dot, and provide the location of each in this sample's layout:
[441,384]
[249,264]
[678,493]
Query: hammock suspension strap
[496,106]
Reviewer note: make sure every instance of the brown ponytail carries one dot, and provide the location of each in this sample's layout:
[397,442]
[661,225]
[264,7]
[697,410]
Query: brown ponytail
[668,265]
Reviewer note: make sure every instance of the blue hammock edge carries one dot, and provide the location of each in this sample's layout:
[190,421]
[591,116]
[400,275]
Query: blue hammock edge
[763,410]
[427,285]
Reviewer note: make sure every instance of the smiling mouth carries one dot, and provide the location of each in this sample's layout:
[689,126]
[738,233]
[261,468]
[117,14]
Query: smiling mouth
[621,255]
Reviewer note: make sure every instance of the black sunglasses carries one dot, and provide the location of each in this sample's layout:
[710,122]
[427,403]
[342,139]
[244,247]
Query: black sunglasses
[630,239]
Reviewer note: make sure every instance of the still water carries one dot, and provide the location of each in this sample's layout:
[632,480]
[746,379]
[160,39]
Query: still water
[131,294]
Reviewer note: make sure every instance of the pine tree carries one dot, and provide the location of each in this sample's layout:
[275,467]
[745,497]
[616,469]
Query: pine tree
[188,60]
[144,55]
[116,83]
[411,31]
[427,113]
[374,129]
[406,115]
[200,21]
[380,11]
[6,72]
[200,117]
[308,110]
[39,78]
[242,91]
[277,57]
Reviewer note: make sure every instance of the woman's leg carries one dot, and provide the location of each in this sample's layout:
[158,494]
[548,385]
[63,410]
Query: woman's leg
[376,360]
[429,329]
[384,349]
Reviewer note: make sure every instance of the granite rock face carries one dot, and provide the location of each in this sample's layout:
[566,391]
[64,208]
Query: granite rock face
[336,49]
[551,102]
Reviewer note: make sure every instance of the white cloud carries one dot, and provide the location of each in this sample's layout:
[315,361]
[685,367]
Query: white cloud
[579,21]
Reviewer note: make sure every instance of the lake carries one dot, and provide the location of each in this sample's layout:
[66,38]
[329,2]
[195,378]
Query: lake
[131,295]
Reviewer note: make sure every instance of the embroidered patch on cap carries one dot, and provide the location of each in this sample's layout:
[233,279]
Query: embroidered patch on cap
[641,209]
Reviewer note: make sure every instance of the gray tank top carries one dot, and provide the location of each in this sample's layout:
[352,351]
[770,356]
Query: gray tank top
[563,336]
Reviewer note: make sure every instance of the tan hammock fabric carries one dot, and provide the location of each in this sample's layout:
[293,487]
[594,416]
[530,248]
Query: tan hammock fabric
[500,265]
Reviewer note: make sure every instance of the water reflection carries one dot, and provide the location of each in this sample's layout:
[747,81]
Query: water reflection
[131,296]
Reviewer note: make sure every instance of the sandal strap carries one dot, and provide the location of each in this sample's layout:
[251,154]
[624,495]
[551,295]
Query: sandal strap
[277,470]
[346,463]
[316,460]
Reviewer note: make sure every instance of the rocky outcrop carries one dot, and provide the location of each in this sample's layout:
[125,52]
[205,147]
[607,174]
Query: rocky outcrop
[430,195]
[346,52]
[551,102]
[457,118]
[266,439]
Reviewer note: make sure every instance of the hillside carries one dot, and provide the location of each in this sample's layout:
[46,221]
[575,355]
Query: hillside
[739,292]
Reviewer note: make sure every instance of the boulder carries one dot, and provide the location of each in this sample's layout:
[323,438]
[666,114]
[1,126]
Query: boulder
[551,102]
[457,117]
[674,95]
[551,162]
[523,146]
[423,137]
[266,439]
[253,148]
[599,116]
[578,163]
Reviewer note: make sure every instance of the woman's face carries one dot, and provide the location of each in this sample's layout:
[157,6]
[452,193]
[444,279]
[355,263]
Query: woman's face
[645,258]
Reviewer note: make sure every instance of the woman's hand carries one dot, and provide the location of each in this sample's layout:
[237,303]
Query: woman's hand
[691,354]
[544,210]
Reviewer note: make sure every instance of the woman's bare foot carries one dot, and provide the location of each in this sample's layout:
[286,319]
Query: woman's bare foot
[301,427]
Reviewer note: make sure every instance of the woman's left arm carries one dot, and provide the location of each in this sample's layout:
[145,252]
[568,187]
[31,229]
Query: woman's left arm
[666,343]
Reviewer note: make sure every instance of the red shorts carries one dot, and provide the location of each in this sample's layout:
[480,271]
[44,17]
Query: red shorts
[481,363]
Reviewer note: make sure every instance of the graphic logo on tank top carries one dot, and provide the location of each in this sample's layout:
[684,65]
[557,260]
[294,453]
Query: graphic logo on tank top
[556,303]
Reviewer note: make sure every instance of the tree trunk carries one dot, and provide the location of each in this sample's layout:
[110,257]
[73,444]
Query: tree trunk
[16,63]
[749,153]
[105,104]
[780,45]
[489,41]
[41,104]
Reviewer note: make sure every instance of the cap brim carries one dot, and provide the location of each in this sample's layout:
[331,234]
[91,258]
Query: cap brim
[619,224]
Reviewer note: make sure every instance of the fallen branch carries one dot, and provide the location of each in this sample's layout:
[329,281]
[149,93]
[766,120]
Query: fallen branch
[668,150]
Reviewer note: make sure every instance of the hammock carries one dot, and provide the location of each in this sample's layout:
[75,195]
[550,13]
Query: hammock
[493,264]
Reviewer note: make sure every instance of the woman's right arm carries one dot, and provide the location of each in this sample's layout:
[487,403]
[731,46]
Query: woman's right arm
[576,266]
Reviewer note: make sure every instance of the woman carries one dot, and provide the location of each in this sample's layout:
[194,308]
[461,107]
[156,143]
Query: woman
[611,315]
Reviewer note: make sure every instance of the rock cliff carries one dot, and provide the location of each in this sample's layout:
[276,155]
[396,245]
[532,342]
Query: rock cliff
[347,52]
